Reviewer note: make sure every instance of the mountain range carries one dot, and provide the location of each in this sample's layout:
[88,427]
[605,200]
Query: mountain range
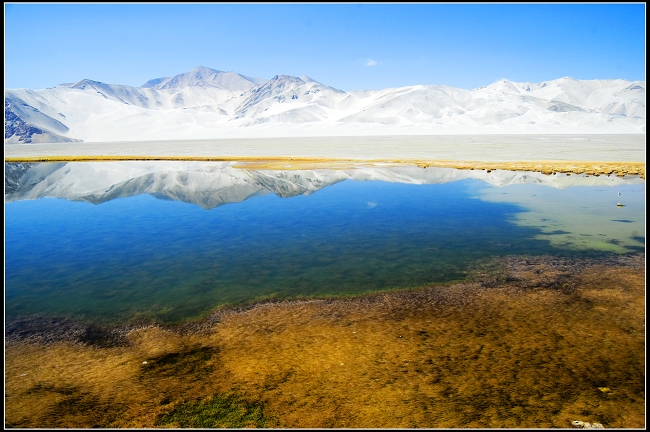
[206,103]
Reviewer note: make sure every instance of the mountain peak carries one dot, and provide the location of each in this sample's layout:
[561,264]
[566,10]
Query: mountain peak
[202,76]
[83,83]
[288,78]
[202,71]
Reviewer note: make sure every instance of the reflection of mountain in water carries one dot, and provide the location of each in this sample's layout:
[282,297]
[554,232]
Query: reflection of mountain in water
[211,184]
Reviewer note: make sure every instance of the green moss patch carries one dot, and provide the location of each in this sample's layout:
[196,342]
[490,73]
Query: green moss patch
[222,411]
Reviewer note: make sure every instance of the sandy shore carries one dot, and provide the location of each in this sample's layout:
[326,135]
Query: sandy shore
[592,154]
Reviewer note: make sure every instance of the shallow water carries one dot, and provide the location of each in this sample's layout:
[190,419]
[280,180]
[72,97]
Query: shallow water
[167,242]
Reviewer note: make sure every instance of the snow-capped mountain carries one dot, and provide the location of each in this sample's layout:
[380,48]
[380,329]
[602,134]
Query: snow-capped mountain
[206,103]
[205,77]
[212,184]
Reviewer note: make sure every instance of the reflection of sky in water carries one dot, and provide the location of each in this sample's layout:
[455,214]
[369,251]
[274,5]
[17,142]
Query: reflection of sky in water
[171,260]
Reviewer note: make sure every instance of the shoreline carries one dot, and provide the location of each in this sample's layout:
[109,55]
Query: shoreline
[595,168]
[591,154]
[536,329]
[45,329]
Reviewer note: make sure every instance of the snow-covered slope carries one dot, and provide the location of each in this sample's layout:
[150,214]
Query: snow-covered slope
[205,77]
[206,103]
[212,184]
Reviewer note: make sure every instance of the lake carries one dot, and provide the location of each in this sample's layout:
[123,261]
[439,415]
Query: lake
[166,242]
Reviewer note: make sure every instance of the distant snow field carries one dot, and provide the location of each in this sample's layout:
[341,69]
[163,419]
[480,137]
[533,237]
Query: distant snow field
[208,104]
[485,148]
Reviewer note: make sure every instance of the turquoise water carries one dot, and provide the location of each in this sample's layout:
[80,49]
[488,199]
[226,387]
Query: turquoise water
[168,260]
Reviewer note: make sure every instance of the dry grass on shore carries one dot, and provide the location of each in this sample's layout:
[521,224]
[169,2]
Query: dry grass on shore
[299,163]
[532,343]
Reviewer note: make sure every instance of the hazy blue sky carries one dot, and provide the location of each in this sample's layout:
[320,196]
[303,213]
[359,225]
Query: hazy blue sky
[347,46]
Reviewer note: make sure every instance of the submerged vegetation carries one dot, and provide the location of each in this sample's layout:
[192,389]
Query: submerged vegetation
[222,411]
[524,342]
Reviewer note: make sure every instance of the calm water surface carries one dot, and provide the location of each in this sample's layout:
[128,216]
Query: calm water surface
[172,241]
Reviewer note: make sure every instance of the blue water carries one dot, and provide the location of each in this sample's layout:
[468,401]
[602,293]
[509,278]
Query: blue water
[163,260]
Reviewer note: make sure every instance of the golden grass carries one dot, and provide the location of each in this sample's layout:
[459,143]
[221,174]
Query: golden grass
[296,163]
[535,351]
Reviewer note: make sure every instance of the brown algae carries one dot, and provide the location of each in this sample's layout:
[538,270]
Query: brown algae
[525,342]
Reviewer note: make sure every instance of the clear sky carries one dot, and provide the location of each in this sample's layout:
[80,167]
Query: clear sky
[347,46]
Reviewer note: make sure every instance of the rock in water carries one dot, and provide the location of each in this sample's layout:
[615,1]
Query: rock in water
[584,425]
